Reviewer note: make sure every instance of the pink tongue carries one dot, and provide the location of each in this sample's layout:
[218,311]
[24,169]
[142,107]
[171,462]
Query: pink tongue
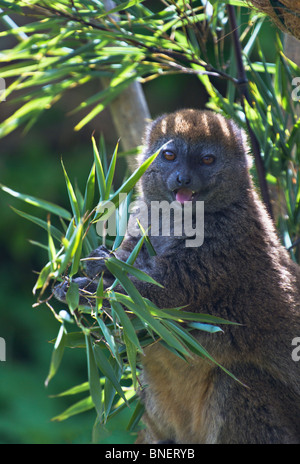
[184,195]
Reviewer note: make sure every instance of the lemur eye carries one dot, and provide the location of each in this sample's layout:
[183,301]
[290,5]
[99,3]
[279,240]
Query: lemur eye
[169,155]
[207,159]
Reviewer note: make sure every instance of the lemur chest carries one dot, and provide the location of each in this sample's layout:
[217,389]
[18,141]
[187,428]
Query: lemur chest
[177,396]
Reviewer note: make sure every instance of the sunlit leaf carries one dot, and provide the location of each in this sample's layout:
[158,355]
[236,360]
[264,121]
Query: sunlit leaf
[81,406]
[99,170]
[90,191]
[128,185]
[57,354]
[46,205]
[72,196]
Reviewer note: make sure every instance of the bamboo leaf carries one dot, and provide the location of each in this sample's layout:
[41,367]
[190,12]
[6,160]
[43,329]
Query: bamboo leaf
[181,316]
[83,387]
[111,172]
[99,295]
[136,416]
[81,406]
[107,370]
[90,191]
[50,207]
[57,354]
[28,113]
[128,328]
[54,231]
[71,247]
[111,95]
[72,196]
[51,248]
[109,339]
[99,170]
[75,340]
[136,304]
[72,296]
[127,186]
[141,275]
[196,347]
[43,277]
[131,351]
[93,375]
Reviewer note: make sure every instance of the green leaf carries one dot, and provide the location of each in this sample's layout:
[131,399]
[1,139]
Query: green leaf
[195,346]
[124,5]
[50,207]
[72,296]
[93,375]
[131,351]
[122,220]
[106,369]
[43,277]
[99,295]
[54,231]
[109,338]
[99,170]
[111,172]
[29,113]
[137,305]
[72,196]
[51,249]
[132,270]
[128,328]
[83,387]
[57,354]
[136,416]
[181,316]
[89,191]
[71,247]
[81,406]
[110,391]
[135,252]
[77,255]
[127,186]
[110,96]
[75,340]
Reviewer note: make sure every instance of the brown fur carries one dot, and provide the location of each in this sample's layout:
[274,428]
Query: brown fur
[241,273]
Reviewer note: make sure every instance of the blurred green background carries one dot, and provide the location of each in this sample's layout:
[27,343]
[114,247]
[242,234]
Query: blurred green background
[30,163]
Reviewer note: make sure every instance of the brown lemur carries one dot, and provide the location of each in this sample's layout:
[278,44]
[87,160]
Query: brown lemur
[241,273]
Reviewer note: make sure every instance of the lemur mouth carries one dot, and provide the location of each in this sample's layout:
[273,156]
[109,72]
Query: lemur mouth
[184,194]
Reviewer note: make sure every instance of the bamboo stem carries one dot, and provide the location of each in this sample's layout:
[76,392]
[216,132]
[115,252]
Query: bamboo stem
[129,110]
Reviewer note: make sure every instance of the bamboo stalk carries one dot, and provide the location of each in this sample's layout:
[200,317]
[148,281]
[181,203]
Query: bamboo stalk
[130,112]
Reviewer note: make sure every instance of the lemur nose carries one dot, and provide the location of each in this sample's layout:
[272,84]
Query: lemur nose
[183,180]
